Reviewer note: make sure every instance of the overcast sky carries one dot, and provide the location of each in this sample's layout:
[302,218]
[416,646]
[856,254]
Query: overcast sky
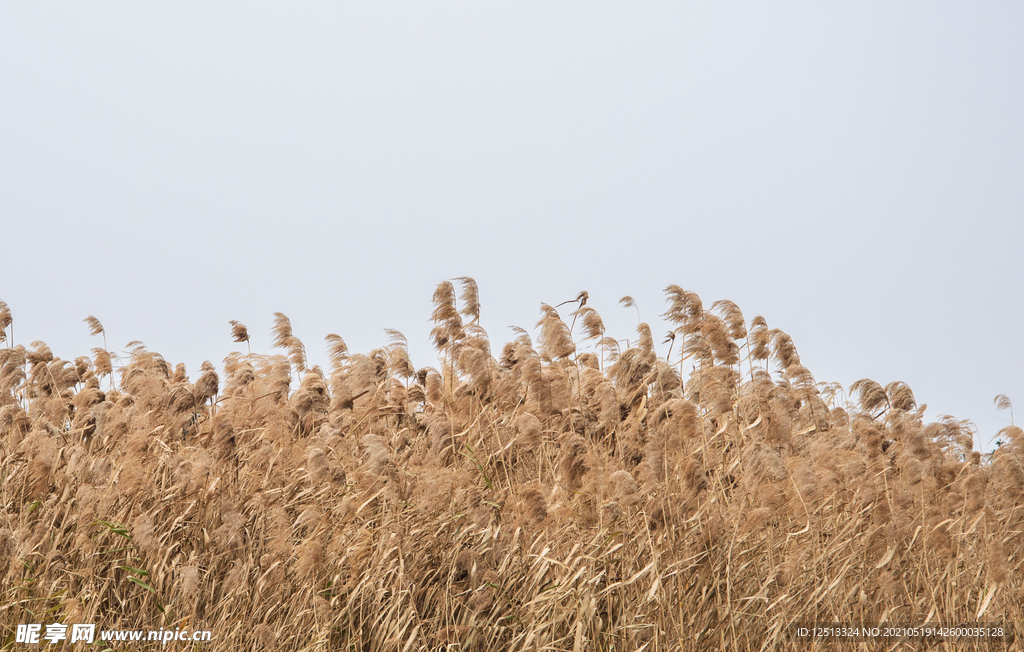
[852,171]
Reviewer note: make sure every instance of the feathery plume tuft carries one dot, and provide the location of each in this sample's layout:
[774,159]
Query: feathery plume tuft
[760,338]
[239,333]
[285,339]
[95,327]
[282,331]
[297,354]
[733,317]
[1002,402]
[399,362]
[337,352]
[784,350]
[872,396]
[470,298]
[5,320]
[555,341]
[629,302]
[208,384]
[101,359]
[593,326]
[900,396]
[685,309]
[447,323]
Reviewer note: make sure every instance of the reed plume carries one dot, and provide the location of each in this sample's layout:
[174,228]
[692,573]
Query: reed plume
[1002,402]
[6,322]
[285,339]
[470,298]
[447,323]
[555,341]
[95,327]
[239,333]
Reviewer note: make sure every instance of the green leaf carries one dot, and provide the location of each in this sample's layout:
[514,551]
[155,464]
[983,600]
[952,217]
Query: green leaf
[54,608]
[115,528]
[471,456]
[138,571]
[142,584]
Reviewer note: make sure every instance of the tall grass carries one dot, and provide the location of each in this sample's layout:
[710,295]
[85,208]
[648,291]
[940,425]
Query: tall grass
[568,494]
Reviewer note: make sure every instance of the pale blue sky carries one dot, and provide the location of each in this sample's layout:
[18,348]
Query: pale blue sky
[854,173]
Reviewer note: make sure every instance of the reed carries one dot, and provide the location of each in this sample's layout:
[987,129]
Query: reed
[563,496]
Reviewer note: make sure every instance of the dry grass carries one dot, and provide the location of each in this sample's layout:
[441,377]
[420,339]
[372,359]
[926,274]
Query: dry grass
[563,496]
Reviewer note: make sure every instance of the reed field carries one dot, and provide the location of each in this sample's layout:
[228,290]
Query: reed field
[573,491]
